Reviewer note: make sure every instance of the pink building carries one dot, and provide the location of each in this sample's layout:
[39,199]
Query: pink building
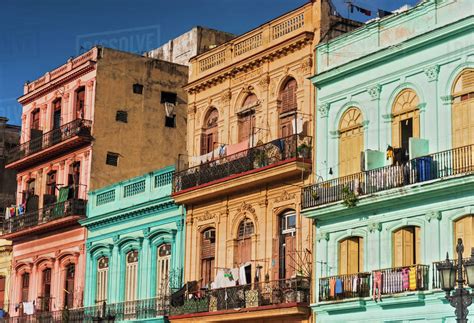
[76,125]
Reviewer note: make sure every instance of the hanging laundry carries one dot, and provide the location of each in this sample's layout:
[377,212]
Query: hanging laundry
[332,287]
[412,276]
[405,278]
[338,286]
[355,284]
[360,9]
[28,308]
[377,285]
[235,148]
[297,124]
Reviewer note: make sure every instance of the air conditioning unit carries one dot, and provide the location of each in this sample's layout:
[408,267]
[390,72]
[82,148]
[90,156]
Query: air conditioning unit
[169,109]
[210,235]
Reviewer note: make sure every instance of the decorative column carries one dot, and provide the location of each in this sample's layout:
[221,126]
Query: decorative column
[375,229]
[432,100]
[146,273]
[56,283]
[433,239]
[322,140]
[89,100]
[374,92]
[34,282]
[320,261]
[89,288]
[114,273]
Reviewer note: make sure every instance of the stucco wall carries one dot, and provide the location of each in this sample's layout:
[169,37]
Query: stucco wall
[144,143]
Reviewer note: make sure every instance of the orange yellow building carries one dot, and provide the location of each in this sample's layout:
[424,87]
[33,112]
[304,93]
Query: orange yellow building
[249,141]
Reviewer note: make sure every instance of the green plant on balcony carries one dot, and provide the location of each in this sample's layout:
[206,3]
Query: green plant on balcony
[315,195]
[260,159]
[303,150]
[349,199]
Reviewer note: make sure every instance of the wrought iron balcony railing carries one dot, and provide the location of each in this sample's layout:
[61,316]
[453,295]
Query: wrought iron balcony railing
[436,283]
[272,153]
[439,165]
[78,127]
[344,286]
[47,214]
[400,279]
[286,291]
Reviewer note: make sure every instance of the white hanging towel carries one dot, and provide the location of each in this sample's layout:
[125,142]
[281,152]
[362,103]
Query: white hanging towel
[28,308]
[297,125]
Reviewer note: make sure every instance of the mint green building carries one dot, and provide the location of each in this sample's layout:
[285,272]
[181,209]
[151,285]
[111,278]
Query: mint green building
[135,247]
[394,182]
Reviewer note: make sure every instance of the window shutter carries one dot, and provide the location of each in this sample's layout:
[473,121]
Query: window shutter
[353,255]
[417,259]
[464,230]
[203,144]
[276,258]
[343,257]
[396,132]
[290,256]
[398,248]
[361,255]
[408,246]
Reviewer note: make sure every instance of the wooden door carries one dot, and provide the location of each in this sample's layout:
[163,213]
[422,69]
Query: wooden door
[290,256]
[407,246]
[351,142]
[464,229]
[350,256]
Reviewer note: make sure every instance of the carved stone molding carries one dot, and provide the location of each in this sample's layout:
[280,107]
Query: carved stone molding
[374,226]
[322,236]
[206,216]
[285,196]
[306,64]
[387,117]
[264,82]
[226,96]
[432,73]
[422,107]
[245,207]
[365,124]
[374,91]
[324,110]
[447,100]
[433,215]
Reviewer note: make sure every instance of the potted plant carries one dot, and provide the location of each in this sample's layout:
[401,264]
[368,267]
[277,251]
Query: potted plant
[303,150]
[349,199]
[260,158]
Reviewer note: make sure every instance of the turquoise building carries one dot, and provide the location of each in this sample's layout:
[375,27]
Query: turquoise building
[394,165]
[135,247]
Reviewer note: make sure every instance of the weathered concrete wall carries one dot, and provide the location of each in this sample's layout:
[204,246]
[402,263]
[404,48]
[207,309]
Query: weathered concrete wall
[143,143]
[194,42]
[9,137]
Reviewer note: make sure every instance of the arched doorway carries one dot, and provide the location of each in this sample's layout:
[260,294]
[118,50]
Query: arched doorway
[351,142]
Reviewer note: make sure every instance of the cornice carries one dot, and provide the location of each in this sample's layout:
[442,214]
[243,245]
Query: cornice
[51,86]
[386,54]
[269,54]
[121,216]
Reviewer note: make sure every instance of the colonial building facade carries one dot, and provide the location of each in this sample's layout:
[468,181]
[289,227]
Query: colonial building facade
[77,123]
[135,247]
[394,164]
[249,152]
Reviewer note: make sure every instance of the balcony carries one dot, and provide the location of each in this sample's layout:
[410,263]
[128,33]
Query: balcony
[276,160]
[50,144]
[47,218]
[289,293]
[457,161]
[352,286]
[392,281]
[293,27]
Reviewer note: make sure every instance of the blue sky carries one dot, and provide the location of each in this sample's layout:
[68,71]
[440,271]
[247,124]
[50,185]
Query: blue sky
[37,36]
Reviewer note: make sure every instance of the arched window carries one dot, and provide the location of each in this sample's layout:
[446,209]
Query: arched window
[56,135]
[287,106]
[79,103]
[463,109]
[243,248]
[36,133]
[351,255]
[102,280]
[69,286]
[45,304]
[209,138]
[464,229]
[208,251]
[246,117]
[25,287]
[2,291]
[131,276]
[351,142]
[285,246]
[407,246]
[405,121]
[163,269]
